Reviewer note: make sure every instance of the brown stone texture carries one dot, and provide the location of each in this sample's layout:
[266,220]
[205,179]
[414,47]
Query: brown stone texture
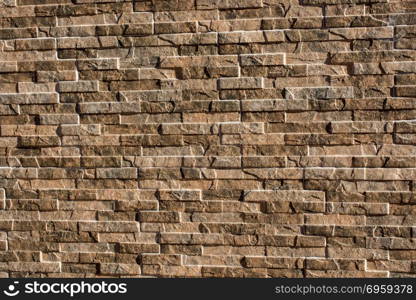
[207,138]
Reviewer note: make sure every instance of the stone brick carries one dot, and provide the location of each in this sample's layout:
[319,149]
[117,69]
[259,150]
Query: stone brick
[251,37]
[32,98]
[123,173]
[119,269]
[284,196]
[83,129]
[35,44]
[97,64]
[59,119]
[241,83]
[262,59]
[159,217]
[108,107]
[203,61]
[319,93]
[79,86]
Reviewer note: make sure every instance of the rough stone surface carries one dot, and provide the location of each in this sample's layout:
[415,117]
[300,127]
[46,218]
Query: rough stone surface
[208,138]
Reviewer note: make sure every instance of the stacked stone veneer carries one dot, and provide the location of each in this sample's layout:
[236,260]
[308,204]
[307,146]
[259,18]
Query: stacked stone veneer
[237,138]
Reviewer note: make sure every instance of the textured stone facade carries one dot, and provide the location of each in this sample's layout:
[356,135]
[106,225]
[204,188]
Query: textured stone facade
[213,138]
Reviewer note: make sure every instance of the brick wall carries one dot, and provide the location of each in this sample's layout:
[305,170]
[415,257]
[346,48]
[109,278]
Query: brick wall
[237,138]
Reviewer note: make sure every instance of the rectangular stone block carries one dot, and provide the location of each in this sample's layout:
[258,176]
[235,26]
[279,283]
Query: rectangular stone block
[123,173]
[108,108]
[405,91]
[59,119]
[205,61]
[251,37]
[78,86]
[240,83]
[284,196]
[262,59]
[97,64]
[83,129]
[32,98]
[319,93]
[119,269]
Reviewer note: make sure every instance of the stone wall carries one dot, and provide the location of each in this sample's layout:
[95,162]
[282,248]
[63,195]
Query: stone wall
[207,138]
